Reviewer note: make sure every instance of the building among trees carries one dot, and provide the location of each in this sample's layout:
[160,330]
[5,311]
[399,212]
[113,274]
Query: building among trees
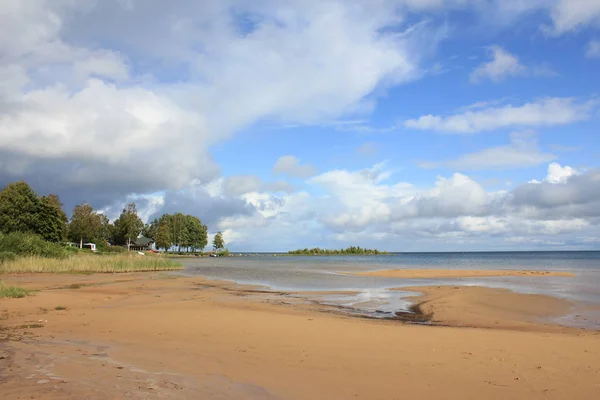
[141,243]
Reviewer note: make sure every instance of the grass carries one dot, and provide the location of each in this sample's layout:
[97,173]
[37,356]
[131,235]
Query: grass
[30,326]
[12,291]
[60,308]
[89,264]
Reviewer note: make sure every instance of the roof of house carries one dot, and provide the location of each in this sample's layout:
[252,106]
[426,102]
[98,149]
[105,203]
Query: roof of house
[142,241]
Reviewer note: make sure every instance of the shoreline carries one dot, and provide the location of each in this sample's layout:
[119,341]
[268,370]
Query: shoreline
[161,335]
[454,273]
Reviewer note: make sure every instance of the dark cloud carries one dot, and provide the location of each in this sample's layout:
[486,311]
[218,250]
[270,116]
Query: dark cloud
[97,183]
[210,209]
[578,196]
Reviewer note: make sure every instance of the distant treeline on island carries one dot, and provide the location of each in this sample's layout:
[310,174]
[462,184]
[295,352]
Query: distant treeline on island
[352,250]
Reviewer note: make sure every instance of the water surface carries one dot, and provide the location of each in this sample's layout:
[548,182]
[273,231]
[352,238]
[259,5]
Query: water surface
[321,273]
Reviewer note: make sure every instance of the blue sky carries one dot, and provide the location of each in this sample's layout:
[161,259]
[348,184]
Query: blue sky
[397,124]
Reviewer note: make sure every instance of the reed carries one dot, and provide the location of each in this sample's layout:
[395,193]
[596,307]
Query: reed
[89,264]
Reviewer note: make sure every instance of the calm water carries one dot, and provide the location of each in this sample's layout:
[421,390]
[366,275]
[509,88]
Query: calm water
[316,273]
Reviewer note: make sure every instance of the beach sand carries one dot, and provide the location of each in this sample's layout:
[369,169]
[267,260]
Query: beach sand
[150,336]
[454,273]
[473,306]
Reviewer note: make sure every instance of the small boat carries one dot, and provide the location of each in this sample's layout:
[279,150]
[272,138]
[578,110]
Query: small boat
[214,255]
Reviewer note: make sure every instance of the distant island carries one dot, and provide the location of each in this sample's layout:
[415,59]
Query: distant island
[352,250]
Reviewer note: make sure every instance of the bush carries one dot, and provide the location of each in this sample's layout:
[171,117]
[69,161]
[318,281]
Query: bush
[114,249]
[7,256]
[28,244]
[223,253]
[72,249]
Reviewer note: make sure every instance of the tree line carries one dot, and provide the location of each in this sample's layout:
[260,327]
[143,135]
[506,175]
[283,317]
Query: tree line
[22,210]
[352,250]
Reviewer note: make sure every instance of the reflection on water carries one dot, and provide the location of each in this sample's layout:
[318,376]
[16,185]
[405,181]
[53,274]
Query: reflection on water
[316,273]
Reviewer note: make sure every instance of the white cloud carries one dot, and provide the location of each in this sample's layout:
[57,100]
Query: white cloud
[523,151]
[369,207]
[291,166]
[543,112]
[241,184]
[593,49]
[560,174]
[170,79]
[570,15]
[131,112]
[502,65]
[103,64]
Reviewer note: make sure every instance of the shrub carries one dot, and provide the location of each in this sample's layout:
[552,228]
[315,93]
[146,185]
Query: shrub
[114,249]
[28,244]
[223,253]
[72,249]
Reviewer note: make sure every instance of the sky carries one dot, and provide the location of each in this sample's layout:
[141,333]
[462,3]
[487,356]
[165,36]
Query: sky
[402,125]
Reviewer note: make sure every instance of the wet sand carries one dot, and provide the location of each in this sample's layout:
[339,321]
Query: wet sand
[454,273]
[473,306]
[150,336]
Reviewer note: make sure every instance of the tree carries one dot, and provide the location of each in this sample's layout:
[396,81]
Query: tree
[197,235]
[163,237]
[179,233]
[51,219]
[86,224]
[128,226]
[19,206]
[218,242]
[21,210]
[106,231]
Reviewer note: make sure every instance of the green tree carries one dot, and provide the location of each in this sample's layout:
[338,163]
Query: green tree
[86,224]
[21,210]
[179,233]
[128,226]
[19,207]
[218,242]
[197,234]
[163,237]
[106,230]
[51,219]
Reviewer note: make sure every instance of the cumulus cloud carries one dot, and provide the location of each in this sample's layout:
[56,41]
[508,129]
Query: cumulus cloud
[243,184]
[563,189]
[547,111]
[458,207]
[560,174]
[290,165]
[523,151]
[149,96]
[130,113]
[369,207]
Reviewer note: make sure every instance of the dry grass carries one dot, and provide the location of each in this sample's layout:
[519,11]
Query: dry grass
[89,264]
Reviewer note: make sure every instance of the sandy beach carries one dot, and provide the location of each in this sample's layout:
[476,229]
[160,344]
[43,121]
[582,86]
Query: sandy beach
[153,336]
[455,273]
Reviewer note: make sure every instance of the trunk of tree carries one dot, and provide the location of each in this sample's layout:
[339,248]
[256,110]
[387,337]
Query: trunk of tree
[128,244]
[81,243]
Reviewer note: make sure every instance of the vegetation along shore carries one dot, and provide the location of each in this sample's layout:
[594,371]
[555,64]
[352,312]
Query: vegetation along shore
[351,251]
